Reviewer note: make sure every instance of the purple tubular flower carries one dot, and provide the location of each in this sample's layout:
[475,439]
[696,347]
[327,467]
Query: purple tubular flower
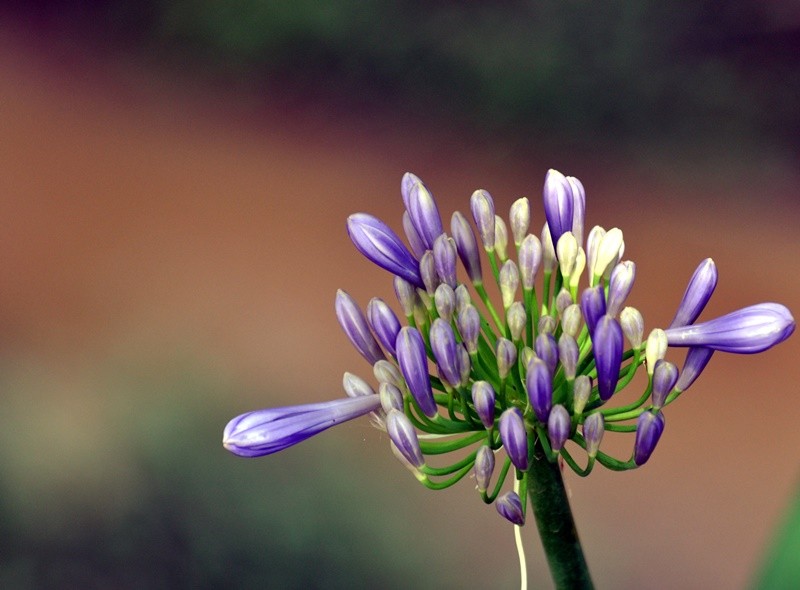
[578,207]
[414,365]
[467,246]
[547,350]
[443,344]
[648,430]
[619,286]
[594,426]
[696,360]
[539,383]
[593,306]
[469,325]
[607,344]
[380,245]
[424,215]
[355,327]
[744,331]
[416,243]
[444,258]
[698,292]
[558,204]
[665,376]
[509,506]
[483,398]
[558,426]
[482,207]
[484,467]
[404,437]
[514,437]
[384,323]
[264,432]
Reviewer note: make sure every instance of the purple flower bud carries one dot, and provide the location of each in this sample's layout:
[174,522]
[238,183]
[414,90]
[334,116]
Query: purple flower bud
[500,238]
[427,269]
[444,258]
[514,437]
[578,207]
[619,286]
[509,506]
[520,219]
[509,282]
[406,295]
[594,426]
[582,390]
[391,397]
[424,215]
[506,356]
[571,320]
[568,354]
[547,350]
[698,292]
[607,344]
[386,372]
[484,467]
[380,245]
[648,430]
[558,427]
[384,323]
[558,204]
[530,258]
[355,386]
[406,184]
[593,306]
[445,300]
[462,298]
[665,376]
[696,360]
[482,207]
[466,246]
[632,324]
[443,345]
[355,327]
[404,437]
[464,363]
[516,318]
[414,366]
[417,246]
[563,301]
[745,331]
[469,326]
[539,383]
[483,400]
[264,432]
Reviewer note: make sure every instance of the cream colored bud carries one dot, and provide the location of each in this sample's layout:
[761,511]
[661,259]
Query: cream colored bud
[520,219]
[571,320]
[500,238]
[509,282]
[592,242]
[609,251]
[516,318]
[567,249]
[580,265]
[548,250]
[655,349]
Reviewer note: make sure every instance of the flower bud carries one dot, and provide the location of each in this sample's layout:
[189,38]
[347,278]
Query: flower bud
[563,301]
[548,250]
[592,244]
[406,295]
[483,399]
[649,428]
[514,437]
[379,244]
[386,372]
[593,306]
[571,320]
[413,363]
[609,251]
[567,252]
[632,324]
[655,349]
[547,350]
[469,326]
[445,300]
[417,246]
[578,207]
[568,354]
[443,345]
[424,215]
[520,219]
[509,506]
[427,270]
[482,207]
[421,477]
[530,258]
[466,246]
[509,282]
[355,386]
[506,356]
[698,292]
[444,258]
[696,360]
[464,363]
[484,467]
[665,376]
[516,318]
[580,265]
[404,437]
[620,285]
[558,427]
[558,204]
[356,329]
[582,390]
[607,345]
[406,184]
[500,238]
[539,383]
[462,298]
[593,429]
[547,324]
[391,397]
[525,356]
[384,323]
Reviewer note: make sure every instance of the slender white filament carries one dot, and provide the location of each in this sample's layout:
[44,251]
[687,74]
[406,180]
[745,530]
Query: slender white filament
[523,568]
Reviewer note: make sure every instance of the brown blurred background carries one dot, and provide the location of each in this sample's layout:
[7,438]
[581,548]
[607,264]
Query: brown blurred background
[174,181]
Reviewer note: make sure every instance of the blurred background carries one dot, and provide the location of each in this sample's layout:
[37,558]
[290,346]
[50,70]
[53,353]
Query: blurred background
[174,181]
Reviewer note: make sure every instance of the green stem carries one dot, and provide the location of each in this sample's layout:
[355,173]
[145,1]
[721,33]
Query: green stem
[555,523]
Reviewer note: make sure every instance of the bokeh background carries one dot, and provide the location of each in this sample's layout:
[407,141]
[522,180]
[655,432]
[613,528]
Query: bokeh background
[174,180]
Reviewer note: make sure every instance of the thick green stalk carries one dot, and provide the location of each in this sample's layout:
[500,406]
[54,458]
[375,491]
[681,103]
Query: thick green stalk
[555,523]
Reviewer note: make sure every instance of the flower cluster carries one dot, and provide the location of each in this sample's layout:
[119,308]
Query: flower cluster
[467,377]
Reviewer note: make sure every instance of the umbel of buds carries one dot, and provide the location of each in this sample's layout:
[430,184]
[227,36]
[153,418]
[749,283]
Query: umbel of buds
[535,379]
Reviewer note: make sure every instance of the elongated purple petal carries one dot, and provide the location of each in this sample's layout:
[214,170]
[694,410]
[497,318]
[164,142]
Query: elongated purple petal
[619,286]
[649,428]
[696,360]
[379,244]
[509,506]
[547,350]
[607,345]
[406,184]
[467,246]
[444,258]
[355,327]
[483,399]
[404,437]
[384,323]
[539,383]
[484,466]
[578,207]
[468,321]
[443,345]
[558,426]
[482,207]
[698,292]
[664,377]
[593,306]
[744,331]
[558,204]
[414,365]
[424,215]
[417,246]
[264,432]
[514,437]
